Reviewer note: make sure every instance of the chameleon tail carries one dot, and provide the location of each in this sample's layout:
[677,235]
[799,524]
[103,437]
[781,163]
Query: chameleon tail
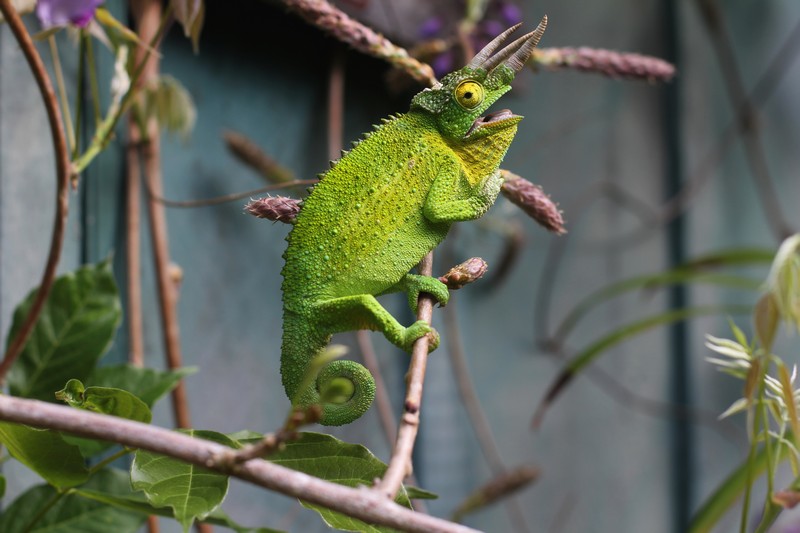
[348,387]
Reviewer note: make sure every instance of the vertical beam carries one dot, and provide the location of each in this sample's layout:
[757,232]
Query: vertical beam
[681,431]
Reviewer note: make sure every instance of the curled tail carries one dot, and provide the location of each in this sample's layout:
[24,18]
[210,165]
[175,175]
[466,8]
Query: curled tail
[347,386]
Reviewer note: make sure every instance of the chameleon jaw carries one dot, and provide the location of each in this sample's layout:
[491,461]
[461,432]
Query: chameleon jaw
[495,121]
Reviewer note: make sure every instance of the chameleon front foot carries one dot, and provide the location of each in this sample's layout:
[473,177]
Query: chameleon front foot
[413,284]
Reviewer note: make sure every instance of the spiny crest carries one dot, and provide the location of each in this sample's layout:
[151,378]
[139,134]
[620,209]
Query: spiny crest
[364,137]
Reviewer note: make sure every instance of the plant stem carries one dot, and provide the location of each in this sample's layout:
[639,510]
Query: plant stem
[106,127]
[400,462]
[360,503]
[62,179]
[62,90]
[93,85]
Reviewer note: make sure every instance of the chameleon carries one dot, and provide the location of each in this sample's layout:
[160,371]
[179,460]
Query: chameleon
[379,210]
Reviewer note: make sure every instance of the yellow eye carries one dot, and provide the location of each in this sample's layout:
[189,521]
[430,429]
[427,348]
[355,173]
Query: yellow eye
[469,94]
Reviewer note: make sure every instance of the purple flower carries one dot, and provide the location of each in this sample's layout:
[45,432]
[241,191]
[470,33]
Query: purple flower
[62,12]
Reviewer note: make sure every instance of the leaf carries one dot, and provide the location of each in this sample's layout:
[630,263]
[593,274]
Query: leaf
[766,320]
[170,104]
[577,363]
[70,513]
[190,14]
[730,490]
[139,504]
[75,329]
[331,459]
[416,493]
[46,453]
[193,492]
[147,384]
[106,400]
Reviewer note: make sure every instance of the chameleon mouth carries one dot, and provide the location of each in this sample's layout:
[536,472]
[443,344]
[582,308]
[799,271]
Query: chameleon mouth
[496,120]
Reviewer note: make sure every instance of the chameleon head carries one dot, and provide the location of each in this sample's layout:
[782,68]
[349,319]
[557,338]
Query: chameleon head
[460,98]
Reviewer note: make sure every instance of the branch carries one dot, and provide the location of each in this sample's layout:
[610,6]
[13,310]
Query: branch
[360,503]
[400,463]
[62,179]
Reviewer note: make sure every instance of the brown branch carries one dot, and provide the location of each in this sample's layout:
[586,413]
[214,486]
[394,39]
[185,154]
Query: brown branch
[400,462]
[62,180]
[217,200]
[607,62]
[360,503]
[148,14]
[133,276]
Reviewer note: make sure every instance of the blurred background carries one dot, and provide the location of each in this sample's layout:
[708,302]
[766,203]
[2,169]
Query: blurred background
[649,176]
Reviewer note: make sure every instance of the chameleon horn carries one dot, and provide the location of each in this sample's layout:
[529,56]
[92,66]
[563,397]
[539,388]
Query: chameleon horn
[517,52]
[521,55]
[489,49]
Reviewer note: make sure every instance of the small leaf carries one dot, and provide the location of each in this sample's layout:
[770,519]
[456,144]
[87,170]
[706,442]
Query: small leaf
[752,380]
[170,104]
[193,492]
[46,453]
[147,384]
[105,400]
[766,319]
[736,407]
[74,330]
[70,513]
[416,493]
[190,14]
[331,459]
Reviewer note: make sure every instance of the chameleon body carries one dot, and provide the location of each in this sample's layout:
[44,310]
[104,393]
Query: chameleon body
[379,210]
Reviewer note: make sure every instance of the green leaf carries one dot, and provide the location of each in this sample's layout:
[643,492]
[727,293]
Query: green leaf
[730,490]
[597,348]
[75,329]
[46,453]
[416,493]
[147,384]
[106,400]
[331,459]
[766,320]
[193,492]
[70,513]
[2,486]
[138,503]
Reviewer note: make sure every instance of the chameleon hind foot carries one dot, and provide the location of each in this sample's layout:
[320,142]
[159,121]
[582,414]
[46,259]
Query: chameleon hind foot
[418,329]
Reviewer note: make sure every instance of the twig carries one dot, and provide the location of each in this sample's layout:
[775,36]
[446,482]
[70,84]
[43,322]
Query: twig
[747,117]
[362,503]
[149,12]
[477,418]
[400,462]
[62,180]
[384,404]
[217,200]
[607,62]
[133,276]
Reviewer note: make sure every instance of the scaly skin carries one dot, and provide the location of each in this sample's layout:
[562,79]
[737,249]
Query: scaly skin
[379,210]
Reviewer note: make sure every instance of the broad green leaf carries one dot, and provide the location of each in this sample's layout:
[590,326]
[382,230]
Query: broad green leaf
[145,383]
[106,400]
[70,513]
[331,459]
[75,329]
[138,503]
[577,363]
[46,453]
[193,492]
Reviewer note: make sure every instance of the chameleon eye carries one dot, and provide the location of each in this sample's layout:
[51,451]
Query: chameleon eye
[469,94]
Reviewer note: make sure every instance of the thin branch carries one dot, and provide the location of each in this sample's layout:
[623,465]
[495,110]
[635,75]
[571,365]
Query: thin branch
[133,275]
[217,200]
[62,180]
[400,462]
[148,13]
[477,418]
[747,116]
[360,503]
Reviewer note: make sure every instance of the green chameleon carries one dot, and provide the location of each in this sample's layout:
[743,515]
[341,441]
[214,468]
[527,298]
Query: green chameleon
[380,209]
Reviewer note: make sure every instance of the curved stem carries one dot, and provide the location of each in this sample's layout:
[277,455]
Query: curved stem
[400,462]
[62,180]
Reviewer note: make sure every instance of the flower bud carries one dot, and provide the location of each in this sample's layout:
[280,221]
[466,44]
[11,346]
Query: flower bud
[275,208]
[531,199]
